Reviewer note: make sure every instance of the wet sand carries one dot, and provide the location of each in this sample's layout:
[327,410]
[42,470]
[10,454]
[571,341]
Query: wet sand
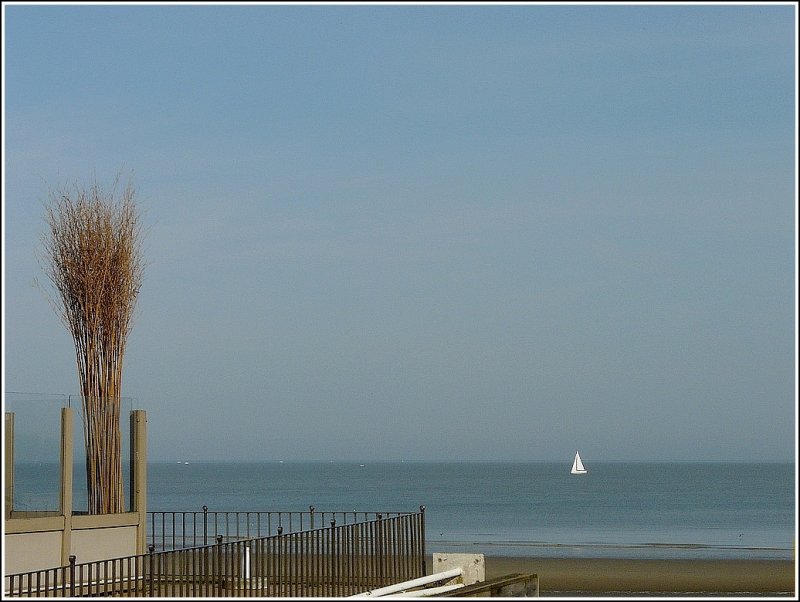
[620,577]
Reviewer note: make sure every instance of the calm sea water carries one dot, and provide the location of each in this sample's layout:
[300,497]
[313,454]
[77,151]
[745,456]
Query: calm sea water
[617,510]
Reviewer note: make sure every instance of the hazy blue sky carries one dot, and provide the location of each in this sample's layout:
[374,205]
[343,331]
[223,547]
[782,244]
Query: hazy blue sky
[425,232]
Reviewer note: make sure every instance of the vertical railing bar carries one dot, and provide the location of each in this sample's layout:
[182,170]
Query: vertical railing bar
[198,583]
[251,575]
[387,547]
[354,571]
[233,561]
[408,550]
[388,571]
[335,576]
[341,545]
[274,571]
[224,557]
[279,565]
[230,566]
[298,562]
[183,572]
[384,552]
[292,558]
[190,575]
[126,563]
[365,554]
[312,559]
[270,562]
[326,561]
[285,564]
[371,555]
[347,577]
[104,583]
[335,569]
[319,545]
[205,525]
[347,564]
[403,551]
[289,569]
[324,572]
[344,565]
[205,577]
[395,551]
[308,556]
[255,570]
[356,575]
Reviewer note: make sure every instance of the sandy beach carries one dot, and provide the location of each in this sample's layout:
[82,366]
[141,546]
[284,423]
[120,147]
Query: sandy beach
[619,577]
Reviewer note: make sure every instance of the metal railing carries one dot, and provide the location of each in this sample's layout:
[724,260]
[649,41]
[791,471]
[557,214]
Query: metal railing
[184,529]
[336,560]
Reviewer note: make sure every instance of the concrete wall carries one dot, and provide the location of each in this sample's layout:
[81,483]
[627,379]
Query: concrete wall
[31,551]
[89,545]
[44,540]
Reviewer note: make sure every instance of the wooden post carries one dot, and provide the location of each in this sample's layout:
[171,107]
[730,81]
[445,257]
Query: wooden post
[9,463]
[65,493]
[139,475]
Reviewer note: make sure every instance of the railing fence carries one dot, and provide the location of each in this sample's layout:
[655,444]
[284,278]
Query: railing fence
[335,560]
[184,529]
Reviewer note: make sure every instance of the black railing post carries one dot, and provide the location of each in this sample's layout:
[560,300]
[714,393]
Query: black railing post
[311,511]
[151,557]
[72,559]
[205,525]
[422,542]
[219,570]
[335,578]
[379,516]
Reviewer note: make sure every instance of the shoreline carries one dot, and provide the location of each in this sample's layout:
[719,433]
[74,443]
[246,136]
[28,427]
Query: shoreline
[623,576]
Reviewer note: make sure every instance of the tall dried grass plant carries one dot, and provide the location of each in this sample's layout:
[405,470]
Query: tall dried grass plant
[93,256]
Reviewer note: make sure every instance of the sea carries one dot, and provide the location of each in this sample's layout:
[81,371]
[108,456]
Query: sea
[617,510]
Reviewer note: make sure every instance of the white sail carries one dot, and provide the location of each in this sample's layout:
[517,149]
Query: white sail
[577,465]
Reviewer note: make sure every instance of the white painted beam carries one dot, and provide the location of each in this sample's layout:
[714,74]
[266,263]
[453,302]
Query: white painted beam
[405,585]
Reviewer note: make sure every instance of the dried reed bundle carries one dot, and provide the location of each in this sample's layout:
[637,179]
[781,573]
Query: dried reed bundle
[94,260]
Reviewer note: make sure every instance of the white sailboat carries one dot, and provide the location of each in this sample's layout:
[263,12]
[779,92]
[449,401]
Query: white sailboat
[577,465]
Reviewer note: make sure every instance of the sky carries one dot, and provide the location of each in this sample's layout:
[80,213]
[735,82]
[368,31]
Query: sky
[423,232]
